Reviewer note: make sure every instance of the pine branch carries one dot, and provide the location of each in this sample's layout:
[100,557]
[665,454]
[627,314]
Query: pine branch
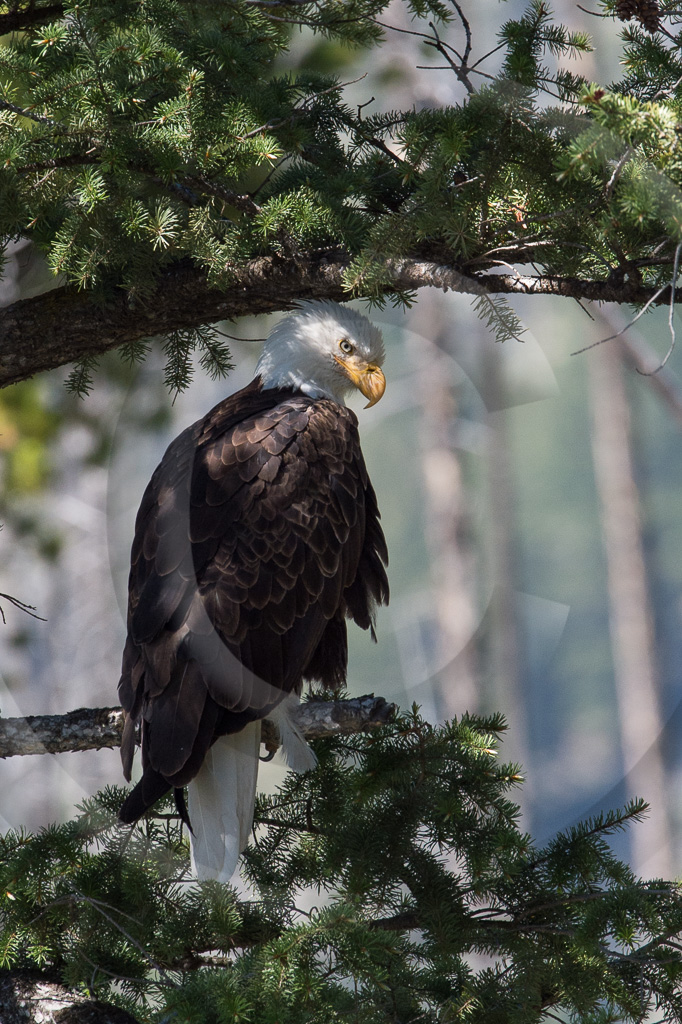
[94,728]
[65,325]
[410,839]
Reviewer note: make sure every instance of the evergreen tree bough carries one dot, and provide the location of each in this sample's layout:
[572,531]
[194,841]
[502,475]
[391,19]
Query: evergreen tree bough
[143,144]
[374,880]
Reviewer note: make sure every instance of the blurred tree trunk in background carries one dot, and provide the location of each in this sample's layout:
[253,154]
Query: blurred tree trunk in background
[505,666]
[632,639]
[453,557]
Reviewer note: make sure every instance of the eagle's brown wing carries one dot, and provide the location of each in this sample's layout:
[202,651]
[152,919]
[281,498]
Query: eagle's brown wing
[257,535]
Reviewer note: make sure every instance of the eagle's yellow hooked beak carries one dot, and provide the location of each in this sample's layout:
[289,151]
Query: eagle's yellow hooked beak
[367,377]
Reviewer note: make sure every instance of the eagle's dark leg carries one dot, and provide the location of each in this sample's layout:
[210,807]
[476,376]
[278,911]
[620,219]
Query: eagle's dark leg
[181,805]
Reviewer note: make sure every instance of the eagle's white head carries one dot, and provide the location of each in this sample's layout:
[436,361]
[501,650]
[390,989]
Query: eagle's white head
[324,350]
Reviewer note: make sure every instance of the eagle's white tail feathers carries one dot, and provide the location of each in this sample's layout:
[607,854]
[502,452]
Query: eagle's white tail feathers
[221,799]
[222,795]
[298,756]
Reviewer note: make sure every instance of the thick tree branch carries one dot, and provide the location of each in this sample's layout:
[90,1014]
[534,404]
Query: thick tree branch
[22,18]
[93,728]
[29,997]
[65,325]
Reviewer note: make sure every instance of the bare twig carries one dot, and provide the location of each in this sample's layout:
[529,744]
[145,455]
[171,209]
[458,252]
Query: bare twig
[638,354]
[617,171]
[671,314]
[627,327]
[361,107]
[467,32]
[460,68]
[485,56]
[672,286]
[664,93]
[234,337]
[458,62]
[30,609]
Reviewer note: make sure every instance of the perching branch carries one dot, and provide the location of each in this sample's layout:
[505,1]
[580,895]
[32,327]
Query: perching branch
[64,326]
[93,728]
[84,729]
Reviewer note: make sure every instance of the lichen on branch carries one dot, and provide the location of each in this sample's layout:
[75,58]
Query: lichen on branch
[94,728]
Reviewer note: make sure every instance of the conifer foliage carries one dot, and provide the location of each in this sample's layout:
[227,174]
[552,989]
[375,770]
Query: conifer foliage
[391,884]
[139,135]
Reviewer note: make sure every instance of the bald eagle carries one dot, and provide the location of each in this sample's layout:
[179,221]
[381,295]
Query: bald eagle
[257,537]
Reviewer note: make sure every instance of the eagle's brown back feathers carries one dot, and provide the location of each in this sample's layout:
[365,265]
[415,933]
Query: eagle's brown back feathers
[257,536]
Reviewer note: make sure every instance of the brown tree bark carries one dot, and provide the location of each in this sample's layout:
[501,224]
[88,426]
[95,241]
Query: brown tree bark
[29,997]
[65,325]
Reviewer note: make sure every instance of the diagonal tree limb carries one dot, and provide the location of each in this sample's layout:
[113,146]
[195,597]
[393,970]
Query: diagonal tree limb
[94,728]
[66,325]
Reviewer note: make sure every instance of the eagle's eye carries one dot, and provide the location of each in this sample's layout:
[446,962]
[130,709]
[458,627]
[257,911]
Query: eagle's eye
[345,346]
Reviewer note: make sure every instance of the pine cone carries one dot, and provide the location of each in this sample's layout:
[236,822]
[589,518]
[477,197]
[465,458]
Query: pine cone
[649,15]
[627,9]
[646,12]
